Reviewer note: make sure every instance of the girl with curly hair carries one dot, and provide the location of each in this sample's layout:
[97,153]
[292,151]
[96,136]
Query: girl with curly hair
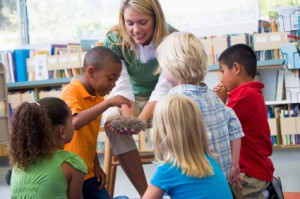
[41,168]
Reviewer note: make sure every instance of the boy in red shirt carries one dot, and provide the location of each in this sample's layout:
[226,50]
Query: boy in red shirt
[238,67]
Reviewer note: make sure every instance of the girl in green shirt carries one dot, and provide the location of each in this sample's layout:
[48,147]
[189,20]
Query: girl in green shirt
[41,168]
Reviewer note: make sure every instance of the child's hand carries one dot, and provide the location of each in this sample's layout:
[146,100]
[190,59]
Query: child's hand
[118,101]
[221,91]
[100,176]
[234,176]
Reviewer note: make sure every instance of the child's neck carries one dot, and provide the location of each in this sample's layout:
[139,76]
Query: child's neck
[58,146]
[87,86]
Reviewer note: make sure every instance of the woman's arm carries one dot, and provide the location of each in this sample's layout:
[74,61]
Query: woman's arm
[123,85]
[147,112]
[153,192]
[162,88]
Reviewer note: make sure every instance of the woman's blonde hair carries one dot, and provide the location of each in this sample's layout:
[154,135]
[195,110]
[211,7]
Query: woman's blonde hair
[183,57]
[180,136]
[148,7]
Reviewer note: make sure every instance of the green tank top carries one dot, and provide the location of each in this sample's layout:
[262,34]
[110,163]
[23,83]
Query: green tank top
[45,179]
[141,75]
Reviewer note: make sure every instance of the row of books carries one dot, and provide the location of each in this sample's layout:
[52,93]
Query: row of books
[290,139]
[266,45]
[286,140]
[18,69]
[15,99]
[42,67]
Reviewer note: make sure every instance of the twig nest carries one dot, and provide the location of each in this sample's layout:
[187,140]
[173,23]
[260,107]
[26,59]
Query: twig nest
[135,124]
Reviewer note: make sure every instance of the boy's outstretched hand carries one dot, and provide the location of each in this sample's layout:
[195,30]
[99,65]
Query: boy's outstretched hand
[118,101]
[221,91]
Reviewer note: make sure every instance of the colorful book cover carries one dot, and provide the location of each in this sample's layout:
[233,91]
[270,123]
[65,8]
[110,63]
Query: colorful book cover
[20,57]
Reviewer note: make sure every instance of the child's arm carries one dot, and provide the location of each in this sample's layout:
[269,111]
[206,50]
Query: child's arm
[234,176]
[153,192]
[221,92]
[75,180]
[84,117]
[99,173]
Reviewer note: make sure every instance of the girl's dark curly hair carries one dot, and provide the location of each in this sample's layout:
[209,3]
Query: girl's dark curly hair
[32,132]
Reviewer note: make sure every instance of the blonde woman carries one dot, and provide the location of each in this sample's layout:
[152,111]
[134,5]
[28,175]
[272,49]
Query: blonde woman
[141,29]
[182,58]
[186,167]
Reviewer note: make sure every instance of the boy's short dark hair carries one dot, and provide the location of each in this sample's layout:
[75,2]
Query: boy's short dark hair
[243,54]
[99,56]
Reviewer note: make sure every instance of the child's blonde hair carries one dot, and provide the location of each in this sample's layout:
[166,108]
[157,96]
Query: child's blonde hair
[183,57]
[180,135]
[148,7]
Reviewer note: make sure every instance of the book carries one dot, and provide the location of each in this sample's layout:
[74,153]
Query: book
[20,57]
[11,66]
[280,86]
[4,61]
[291,55]
[40,67]
[56,47]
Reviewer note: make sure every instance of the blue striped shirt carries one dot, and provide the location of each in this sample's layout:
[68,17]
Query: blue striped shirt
[220,121]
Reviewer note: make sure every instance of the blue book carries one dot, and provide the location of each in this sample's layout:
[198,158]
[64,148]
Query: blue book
[20,57]
[291,56]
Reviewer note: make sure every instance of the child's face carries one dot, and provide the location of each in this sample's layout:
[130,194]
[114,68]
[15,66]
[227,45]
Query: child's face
[69,128]
[228,77]
[139,26]
[104,79]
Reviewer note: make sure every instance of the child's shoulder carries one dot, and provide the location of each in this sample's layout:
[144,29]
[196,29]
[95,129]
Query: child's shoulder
[73,159]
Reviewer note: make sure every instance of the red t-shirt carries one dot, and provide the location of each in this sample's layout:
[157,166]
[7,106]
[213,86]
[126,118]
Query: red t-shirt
[248,103]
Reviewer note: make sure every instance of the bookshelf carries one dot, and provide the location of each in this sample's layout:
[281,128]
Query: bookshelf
[4,112]
[37,84]
[265,64]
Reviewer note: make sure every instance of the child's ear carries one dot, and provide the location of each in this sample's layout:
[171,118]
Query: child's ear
[91,70]
[236,68]
[61,132]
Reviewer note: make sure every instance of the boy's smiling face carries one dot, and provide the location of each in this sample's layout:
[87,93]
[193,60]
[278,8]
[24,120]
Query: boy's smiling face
[104,79]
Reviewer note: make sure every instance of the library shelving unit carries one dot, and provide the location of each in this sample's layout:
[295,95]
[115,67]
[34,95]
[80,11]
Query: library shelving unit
[286,128]
[266,64]
[4,113]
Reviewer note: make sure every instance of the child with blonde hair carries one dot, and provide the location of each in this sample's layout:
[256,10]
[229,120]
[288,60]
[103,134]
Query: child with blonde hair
[182,58]
[42,169]
[187,168]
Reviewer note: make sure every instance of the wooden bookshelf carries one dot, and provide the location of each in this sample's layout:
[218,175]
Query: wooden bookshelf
[292,146]
[266,64]
[4,113]
[37,84]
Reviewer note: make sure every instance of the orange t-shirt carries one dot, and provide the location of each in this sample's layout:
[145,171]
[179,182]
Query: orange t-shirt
[84,140]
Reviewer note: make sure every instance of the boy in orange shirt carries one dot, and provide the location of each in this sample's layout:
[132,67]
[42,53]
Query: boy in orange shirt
[84,96]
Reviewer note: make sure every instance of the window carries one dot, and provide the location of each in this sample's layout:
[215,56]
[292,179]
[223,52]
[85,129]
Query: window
[67,20]
[71,20]
[213,17]
[9,30]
